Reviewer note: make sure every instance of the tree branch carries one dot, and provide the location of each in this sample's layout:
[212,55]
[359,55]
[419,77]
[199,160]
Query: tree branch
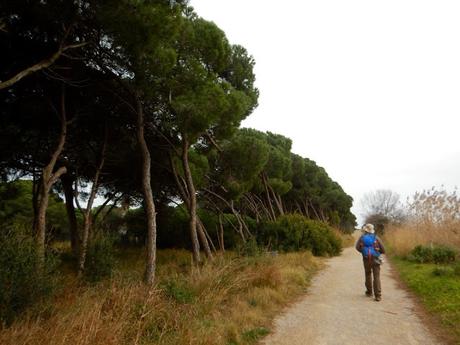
[45,63]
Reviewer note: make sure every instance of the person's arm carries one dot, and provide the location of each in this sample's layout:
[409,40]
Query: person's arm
[359,245]
[381,246]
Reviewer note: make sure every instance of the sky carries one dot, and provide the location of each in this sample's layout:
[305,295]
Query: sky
[370,90]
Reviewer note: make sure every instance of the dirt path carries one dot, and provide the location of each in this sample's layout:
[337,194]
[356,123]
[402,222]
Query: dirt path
[336,311]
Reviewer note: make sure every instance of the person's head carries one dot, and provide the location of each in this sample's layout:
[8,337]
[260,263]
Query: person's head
[368,228]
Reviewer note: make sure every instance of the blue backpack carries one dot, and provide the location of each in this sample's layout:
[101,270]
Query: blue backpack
[370,246]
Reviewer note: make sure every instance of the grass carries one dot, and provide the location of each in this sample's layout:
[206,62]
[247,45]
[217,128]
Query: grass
[433,222]
[438,288]
[231,300]
[403,239]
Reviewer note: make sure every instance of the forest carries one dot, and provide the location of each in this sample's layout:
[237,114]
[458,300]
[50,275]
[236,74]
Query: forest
[120,127]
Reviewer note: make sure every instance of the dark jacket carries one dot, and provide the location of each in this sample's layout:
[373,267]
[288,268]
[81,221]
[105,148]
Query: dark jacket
[359,245]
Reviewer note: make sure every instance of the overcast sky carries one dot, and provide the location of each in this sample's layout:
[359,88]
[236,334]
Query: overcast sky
[370,90]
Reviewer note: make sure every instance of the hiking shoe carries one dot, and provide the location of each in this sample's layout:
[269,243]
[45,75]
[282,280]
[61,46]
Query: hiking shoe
[378,299]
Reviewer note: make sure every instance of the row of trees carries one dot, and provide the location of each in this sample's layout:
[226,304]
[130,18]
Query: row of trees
[140,102]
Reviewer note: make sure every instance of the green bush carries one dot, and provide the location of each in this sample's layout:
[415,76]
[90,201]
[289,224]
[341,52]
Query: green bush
[22,280]
[100,259]
[249,248]
[293,232]
[437,254]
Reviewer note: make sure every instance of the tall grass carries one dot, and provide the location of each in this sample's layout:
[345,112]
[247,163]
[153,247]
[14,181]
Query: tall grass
[229,301]
[434,218]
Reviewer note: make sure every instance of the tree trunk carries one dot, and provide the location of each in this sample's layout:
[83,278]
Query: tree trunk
[103,206]
[192,200]
[48,179]
[277,198]
[305,205]
[204,238]
[221,234]
[87,216]
[267,194]
[149,204]
[314,210]
[67,183]
[241,223]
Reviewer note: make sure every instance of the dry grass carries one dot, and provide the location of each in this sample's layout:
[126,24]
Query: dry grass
[347,239]
[434,219]
[231,300]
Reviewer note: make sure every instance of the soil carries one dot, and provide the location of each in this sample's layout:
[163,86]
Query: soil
[336,310]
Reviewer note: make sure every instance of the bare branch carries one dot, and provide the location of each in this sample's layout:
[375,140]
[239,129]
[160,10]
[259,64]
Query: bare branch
[45,63]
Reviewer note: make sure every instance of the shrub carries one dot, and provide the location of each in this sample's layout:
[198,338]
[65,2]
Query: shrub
[100,259]
[438,254]
[249,248]
[294,232]
[22,281]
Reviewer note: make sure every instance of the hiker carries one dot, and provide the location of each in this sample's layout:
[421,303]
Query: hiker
[370,246]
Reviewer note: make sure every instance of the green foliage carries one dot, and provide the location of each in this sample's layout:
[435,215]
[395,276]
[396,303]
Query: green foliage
[439,292]
[437,254]
[241,161]
[22,281]
[442,271]
[315,194]
[457,269]
[100,259]
[249,248]
[16,207]
[255,334]
[179,291]
[295,232]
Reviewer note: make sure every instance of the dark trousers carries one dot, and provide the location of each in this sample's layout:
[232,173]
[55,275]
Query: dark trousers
[372,270]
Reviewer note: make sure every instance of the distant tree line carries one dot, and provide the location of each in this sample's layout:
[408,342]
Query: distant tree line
[140,103]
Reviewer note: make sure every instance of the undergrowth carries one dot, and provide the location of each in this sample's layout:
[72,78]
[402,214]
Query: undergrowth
[438,288]
[231,300]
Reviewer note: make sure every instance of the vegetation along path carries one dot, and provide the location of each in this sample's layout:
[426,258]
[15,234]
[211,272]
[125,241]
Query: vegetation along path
[336,311]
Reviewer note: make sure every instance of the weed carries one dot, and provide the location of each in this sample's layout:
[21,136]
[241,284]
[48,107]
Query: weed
[100,259]
[442,271]
[179,291]
[255,334]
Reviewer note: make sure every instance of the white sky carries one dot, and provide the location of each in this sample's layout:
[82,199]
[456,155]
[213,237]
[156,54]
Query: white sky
[368,89]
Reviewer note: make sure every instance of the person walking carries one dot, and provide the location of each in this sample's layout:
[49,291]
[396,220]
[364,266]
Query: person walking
[371,248]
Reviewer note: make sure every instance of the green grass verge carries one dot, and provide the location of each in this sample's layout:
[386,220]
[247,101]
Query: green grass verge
[438,288]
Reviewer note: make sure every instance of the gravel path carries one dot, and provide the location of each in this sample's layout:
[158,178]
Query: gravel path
[336,311]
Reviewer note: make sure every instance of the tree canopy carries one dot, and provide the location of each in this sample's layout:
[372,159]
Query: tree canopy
[140,103]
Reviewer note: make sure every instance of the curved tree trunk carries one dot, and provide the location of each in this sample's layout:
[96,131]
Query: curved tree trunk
[149,204]
[221,234]
[67,183]
[204,238]
[87,216]
[48,179]
[192,200]
[267,194]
